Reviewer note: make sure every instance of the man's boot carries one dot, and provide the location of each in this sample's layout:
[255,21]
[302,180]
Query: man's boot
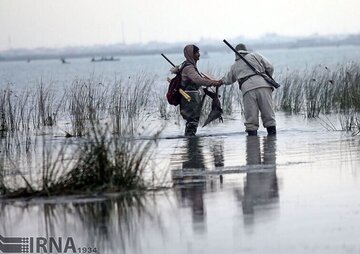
[251,133]
[271,130]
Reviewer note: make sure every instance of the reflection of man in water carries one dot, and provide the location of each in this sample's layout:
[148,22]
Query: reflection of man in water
[192,187]
[261,187]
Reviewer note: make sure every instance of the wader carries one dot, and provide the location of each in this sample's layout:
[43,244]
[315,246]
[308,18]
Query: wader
[191,110]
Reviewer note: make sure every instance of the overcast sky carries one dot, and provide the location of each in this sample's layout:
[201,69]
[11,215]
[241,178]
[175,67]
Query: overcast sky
[58,23]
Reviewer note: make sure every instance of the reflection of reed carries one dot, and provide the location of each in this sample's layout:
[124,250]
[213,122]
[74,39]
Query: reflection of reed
[111,225]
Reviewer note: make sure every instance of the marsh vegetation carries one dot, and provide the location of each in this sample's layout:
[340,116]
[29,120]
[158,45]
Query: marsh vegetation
[84,138]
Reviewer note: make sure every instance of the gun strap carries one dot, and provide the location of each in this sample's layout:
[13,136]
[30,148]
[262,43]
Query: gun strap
[242,80]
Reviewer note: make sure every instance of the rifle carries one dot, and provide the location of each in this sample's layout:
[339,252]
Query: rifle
[265,75]
[167,59]
[181,91]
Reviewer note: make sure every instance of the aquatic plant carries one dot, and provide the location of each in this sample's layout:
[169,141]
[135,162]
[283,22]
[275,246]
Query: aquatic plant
[129,101]
[320,90]
[46,106]
[87,102]
[229,96]
[2,181]
[103,164]
[99,162]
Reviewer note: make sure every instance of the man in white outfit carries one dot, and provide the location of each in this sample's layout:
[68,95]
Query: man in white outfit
[257,93]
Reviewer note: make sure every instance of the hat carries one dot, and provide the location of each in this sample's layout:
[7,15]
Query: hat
[240,46]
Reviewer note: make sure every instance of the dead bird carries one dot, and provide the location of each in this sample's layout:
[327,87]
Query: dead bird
[216,110]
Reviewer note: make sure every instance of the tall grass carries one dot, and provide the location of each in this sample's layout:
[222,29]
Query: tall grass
[82,101]
[103,152]
[323,91]
[106,164]
[46,106]
[129,101]
[86,103]
[99,162]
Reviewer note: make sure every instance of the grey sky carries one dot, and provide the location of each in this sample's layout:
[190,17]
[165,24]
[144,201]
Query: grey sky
[58,23]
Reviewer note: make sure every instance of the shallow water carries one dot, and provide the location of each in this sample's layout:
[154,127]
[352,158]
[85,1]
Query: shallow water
[294,193]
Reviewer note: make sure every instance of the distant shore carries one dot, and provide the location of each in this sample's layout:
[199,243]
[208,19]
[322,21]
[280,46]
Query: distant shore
[269,42]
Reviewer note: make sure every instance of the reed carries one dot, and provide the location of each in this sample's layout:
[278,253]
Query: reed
[230,96]
[8,111]
[320,91]
[2,173]
[107,164]
[47,105]
[87,102]
[99,162]
[130,100]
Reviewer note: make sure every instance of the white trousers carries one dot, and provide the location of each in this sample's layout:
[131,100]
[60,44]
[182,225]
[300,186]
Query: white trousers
[256,100]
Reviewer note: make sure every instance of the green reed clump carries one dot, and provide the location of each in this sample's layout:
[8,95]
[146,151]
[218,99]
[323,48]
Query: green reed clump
[23,111]
[348,89]
[230,96]
[8,111]
[99,162]
[46,106]
[2,181]
[129,101]
[320,90]
[87,102]
[105,163]
[290,96]
[3,118]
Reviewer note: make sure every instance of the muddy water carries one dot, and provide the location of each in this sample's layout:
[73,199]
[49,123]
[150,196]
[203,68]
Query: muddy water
[294,193]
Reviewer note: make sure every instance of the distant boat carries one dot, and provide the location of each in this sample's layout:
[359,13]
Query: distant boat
[64,61]
[102,59]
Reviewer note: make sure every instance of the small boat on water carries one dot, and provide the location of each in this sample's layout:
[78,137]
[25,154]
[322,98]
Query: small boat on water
[102,59]
[63,60]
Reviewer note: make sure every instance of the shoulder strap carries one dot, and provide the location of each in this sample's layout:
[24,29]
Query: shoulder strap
[183,65]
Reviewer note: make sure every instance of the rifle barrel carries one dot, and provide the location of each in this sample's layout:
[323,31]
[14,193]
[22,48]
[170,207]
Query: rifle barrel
[239,55]
[167,59]
[274,83]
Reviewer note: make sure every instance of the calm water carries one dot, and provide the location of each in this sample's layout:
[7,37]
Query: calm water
[296,193]
[23,74]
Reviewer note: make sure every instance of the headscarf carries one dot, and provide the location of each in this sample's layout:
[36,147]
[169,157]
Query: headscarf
[189,51]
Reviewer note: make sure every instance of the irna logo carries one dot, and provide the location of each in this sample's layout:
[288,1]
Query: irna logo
[40,245]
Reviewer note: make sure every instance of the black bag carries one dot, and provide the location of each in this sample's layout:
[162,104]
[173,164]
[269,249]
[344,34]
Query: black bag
[173,95]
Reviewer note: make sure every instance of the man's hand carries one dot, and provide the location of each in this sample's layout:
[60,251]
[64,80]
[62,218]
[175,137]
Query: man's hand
[219,83]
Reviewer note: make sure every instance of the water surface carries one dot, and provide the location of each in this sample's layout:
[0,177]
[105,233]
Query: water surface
[297,192]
